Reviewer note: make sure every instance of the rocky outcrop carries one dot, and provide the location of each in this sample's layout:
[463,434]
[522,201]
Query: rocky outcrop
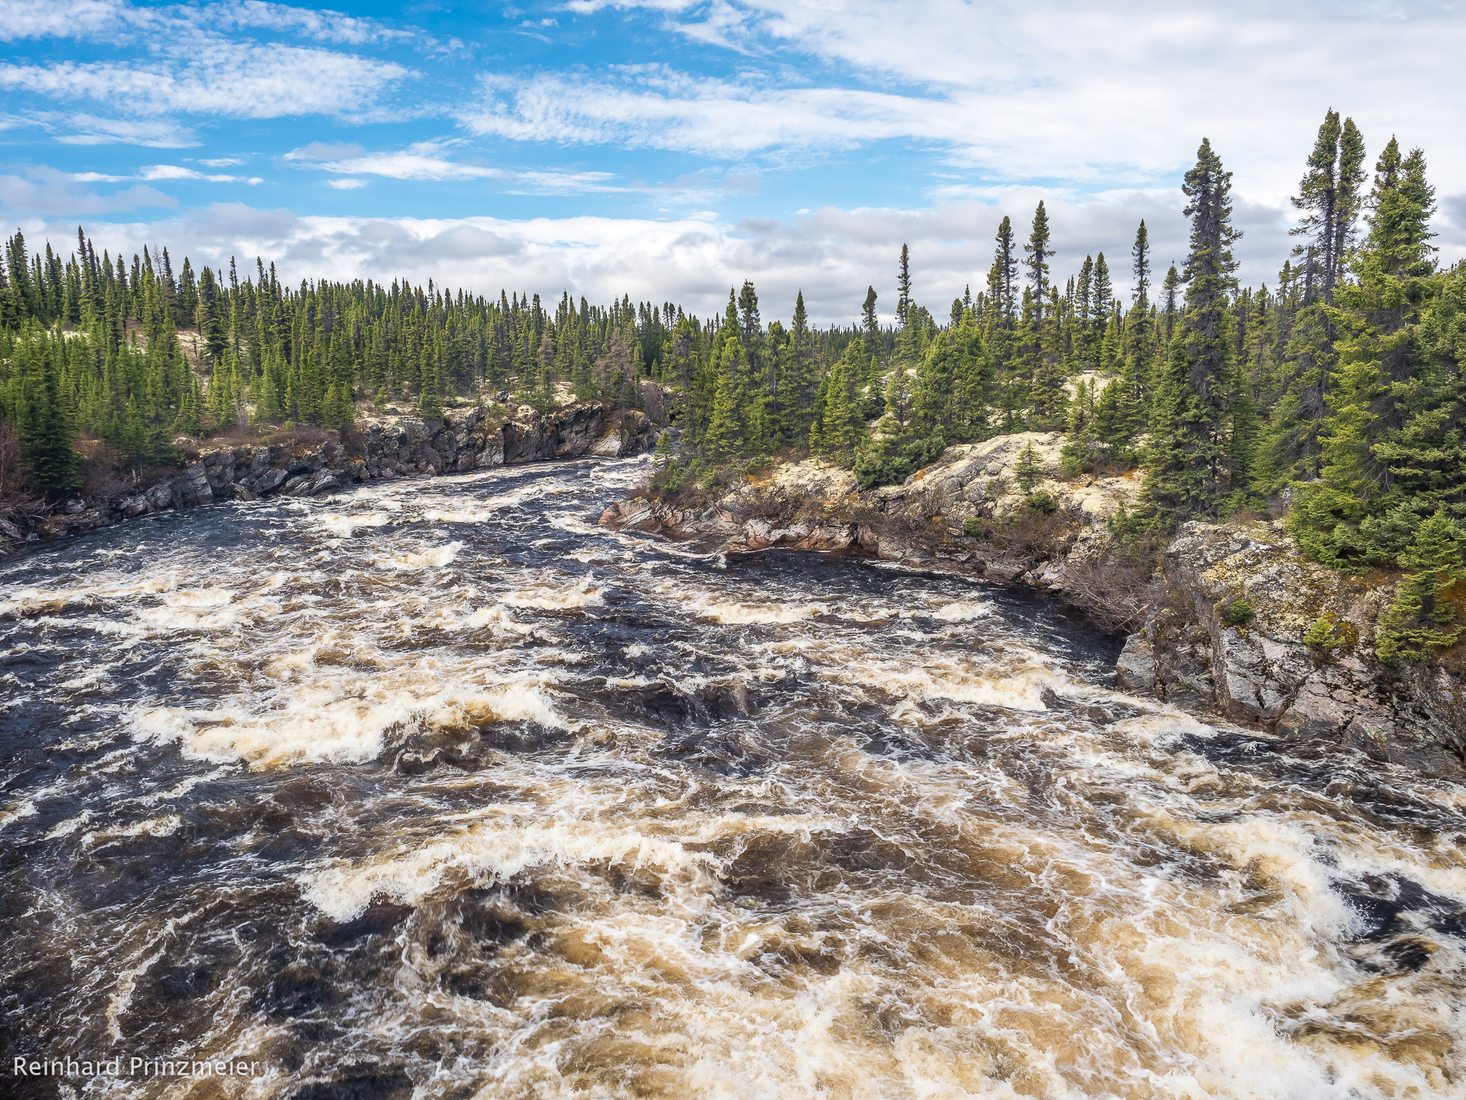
[1220,624]
[385,448]
[965,510]
[1239,601]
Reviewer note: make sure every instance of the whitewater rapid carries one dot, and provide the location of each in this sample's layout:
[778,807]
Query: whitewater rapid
[438,789]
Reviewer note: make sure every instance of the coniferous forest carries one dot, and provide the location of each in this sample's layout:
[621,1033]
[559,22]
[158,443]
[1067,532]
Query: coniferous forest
[1334,397]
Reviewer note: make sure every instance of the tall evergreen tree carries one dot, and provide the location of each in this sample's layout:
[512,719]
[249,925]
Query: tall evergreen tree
[1036,257]
[1380,355]
[1188,470]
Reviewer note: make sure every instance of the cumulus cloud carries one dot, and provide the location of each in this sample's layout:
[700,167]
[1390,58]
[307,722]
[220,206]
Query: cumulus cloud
[43,193]
[966,112]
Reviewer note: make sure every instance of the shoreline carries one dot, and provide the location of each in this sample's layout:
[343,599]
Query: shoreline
[385,449]
[1217,624]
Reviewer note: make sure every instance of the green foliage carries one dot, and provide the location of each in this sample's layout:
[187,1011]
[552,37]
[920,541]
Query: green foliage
[1027,471]
[1426,613]
[1397,392]
[1041,501]
[1189,473]
[1239,612]
[1334,399]
[889,461]
[1327,634]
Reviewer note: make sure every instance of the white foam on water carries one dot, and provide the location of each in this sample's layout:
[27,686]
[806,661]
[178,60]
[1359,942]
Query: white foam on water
[315,721]
[493,852]
[1010,688]
[748,614]
[162,825]
[496,620]
[434,557]
[550,594]
[1025,903]
[346,524]
[16,812]
[962,611]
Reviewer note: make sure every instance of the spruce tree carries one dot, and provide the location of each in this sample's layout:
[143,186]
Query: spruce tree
[1036,257]
[1380,354]
[1425,615]
[903,286]
[1188,471]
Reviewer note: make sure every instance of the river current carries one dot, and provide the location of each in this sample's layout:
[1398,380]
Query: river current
[437,789]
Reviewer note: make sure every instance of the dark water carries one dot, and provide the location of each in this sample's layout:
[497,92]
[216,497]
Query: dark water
[438,790]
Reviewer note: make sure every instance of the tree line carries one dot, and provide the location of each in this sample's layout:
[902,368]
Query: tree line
[1334,397]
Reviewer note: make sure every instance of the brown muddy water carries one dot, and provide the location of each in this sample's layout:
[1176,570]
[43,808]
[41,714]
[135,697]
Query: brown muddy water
[437,790]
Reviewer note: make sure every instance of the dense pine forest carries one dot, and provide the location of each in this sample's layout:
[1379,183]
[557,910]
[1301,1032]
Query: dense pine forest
[1334,397]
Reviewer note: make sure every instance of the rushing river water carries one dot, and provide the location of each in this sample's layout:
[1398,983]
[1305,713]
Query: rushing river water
[438,790]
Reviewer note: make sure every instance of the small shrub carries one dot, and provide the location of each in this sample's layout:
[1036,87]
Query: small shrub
[1239,612]
[976,527]
[1326,633]
[1043,502]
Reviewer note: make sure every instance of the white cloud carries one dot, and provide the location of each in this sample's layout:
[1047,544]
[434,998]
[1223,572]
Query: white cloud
[346,184]
[73,128]
[659,108]
[41,193]
[114,19]
[426,161]
[236,80]
[323,150]
[48,18]
[319,25]
[1062,90]
[156,172]
[831,254]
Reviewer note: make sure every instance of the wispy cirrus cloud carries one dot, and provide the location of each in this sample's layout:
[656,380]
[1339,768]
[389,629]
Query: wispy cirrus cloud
[222,79]
[429,161]
[20,19]
[158,173]
[81,128]
[117,20]
[1064,91]
[661,108]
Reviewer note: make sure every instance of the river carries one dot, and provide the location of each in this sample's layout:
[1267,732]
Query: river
[437,789]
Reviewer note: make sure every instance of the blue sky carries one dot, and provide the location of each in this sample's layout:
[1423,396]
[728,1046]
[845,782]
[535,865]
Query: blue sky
[670,148]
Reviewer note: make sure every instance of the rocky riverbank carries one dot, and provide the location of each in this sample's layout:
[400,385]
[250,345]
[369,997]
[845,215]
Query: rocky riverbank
[388,447]
[1219,622]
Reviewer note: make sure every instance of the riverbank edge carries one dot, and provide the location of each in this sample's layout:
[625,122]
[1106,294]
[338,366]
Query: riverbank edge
[321,463]
[1217,624]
